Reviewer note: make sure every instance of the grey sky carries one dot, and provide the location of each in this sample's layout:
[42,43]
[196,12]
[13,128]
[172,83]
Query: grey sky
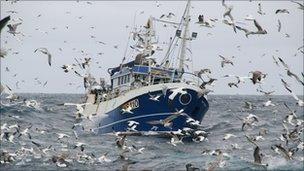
[110,18]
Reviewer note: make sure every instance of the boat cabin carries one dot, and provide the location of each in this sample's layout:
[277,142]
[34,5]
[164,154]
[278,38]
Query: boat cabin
[131,75]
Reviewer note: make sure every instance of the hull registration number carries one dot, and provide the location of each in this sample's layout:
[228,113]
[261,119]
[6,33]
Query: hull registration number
[133,104]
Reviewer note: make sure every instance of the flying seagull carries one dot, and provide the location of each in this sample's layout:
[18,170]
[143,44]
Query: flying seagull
[13,28]
[282,11]
[248,32]
[301,6]
[279,25]
[257,76]
[46,52]
[225,61]
[260,11]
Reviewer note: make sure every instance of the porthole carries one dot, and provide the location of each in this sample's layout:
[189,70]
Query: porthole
[185,99]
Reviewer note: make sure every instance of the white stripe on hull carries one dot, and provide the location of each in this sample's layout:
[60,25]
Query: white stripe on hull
[132,118]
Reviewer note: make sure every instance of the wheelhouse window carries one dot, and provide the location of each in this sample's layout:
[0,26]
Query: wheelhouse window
[125,79]
[128,78]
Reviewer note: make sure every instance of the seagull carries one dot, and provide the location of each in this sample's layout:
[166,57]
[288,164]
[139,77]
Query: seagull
[167,121]
[127,110]
[227,136]
[104,158]
[203,22]
[301,6]
[46,52]
[218,162]
[233,84]
[290,74]
[120,142]
[287,35]
[139,150]
[286,153]
[190,167]
[279,25]
[202,71]
[299,101]
[80,145]
[282,11]
[283,63]
[210,82]
[257,155]
[257,76]
[268,103]
[275,61]
[79,108]
[66,68]
[225,61]
[260,9]
[260,29]
[13,28]
[257,25]
[248,105]
[169,15]
[176,91]
[249,120]
[157,3]
[11,95]
[267,93]
[78,125]
[25,132]
[291,115]
[86,62]
[175,139]
[4,21]
[228,10]
[154,97]
[31,104]
[3,53]
[286,85]
[62,135]
[132,125]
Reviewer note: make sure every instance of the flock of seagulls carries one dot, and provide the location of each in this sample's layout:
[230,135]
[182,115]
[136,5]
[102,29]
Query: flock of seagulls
[290,139]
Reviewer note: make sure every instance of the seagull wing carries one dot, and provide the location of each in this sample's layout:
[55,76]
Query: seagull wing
[43,50]
[301,5]
[242,29]
[170,118]
[49,59]
[223,4]
[154,122]
[3,22]
[257,25]
[222,57]
[250,140]
[283,63]
[70,104]
[257,156]
[284,151]
[77,73]
[294,96]
[295,76]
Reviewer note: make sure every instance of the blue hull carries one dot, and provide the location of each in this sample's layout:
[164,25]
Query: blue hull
[147,110]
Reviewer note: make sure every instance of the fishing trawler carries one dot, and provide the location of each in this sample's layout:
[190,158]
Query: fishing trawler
[145,95]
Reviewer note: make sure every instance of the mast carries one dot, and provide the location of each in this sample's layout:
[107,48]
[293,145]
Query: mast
[185,37]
